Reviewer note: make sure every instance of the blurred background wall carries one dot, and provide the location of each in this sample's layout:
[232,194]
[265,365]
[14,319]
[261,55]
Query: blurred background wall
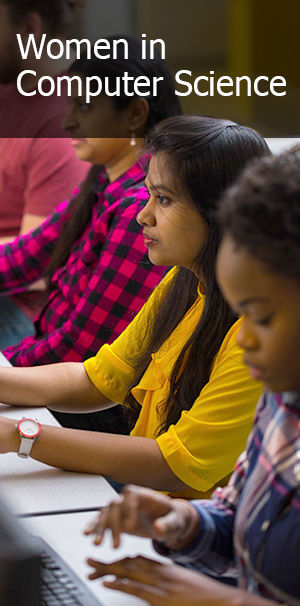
[105,17]
[229,37]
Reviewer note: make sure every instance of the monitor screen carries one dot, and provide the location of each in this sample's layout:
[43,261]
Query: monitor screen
[19,563]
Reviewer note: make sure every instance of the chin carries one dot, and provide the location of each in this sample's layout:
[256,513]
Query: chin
[82,156]
[155,260]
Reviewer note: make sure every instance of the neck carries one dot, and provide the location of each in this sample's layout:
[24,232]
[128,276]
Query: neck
[199,274]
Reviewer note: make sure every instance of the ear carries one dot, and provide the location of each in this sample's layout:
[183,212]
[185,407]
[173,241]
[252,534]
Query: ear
[33,24]
[138,115]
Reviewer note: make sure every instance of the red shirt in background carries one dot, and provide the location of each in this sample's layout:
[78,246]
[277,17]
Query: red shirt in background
[35,175]
[38,166]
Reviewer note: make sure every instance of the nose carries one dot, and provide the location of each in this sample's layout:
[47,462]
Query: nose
[246,337]
[69,122]
[146,216]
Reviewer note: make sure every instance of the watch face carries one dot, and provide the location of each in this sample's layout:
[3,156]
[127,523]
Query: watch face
[29,428]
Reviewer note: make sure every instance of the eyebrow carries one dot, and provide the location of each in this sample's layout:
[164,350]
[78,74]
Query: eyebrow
[82,98]
[251,300]
[159,186]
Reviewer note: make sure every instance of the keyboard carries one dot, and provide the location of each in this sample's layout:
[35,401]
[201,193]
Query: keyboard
[60,586]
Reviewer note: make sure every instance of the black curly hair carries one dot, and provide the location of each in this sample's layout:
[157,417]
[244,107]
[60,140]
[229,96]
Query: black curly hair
[261,212]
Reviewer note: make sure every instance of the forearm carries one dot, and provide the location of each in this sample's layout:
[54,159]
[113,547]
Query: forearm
[30,222]
[62,387]
[121,458]
[6,239]
[239,597]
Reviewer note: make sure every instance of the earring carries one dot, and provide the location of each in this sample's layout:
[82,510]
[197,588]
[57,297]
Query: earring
[133,139]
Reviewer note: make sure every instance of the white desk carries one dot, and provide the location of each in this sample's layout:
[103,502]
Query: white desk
[3,360]
[65,535]
[31,487]
[38,492]
[279,145]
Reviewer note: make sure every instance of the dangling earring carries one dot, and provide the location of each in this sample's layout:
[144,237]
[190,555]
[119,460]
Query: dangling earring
[133,140]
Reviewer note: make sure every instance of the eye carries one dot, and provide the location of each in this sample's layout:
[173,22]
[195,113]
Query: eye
[265,321]
[163,200]
[83,106]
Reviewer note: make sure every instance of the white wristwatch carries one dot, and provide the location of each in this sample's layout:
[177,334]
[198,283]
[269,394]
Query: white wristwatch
[29,430]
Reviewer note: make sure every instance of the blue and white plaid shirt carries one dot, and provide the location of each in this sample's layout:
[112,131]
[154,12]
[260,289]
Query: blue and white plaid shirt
[251,528]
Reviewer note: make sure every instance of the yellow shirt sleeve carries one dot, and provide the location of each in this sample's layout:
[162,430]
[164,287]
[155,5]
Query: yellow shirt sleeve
[112,369]
[203,446]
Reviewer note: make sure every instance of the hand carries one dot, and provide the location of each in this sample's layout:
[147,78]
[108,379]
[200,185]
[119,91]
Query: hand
[147,513]
[9,437]
[163,584]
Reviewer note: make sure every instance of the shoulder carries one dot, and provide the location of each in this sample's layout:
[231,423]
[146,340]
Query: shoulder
[168,279]
[132,189]
[231,335]
[62,212]
[230,347]
[156,297]
[230,369]
[135,194]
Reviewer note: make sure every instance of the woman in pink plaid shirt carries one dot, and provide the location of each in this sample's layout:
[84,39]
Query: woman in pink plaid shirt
[91,248]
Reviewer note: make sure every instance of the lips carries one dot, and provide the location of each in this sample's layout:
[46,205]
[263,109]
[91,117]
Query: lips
[76,141]
[148,240]
[256,372]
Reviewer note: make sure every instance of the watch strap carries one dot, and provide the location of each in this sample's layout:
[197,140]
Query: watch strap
[25,447]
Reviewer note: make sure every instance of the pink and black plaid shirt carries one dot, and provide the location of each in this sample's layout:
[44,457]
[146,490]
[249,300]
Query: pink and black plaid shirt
[104,283]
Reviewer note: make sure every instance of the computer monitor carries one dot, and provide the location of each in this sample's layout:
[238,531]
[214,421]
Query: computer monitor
[19,563]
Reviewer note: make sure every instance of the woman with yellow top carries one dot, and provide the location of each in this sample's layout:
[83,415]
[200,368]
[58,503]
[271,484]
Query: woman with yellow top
[177,367]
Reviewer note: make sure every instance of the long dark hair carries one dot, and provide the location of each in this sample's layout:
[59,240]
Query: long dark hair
[204,155]
[164,105]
